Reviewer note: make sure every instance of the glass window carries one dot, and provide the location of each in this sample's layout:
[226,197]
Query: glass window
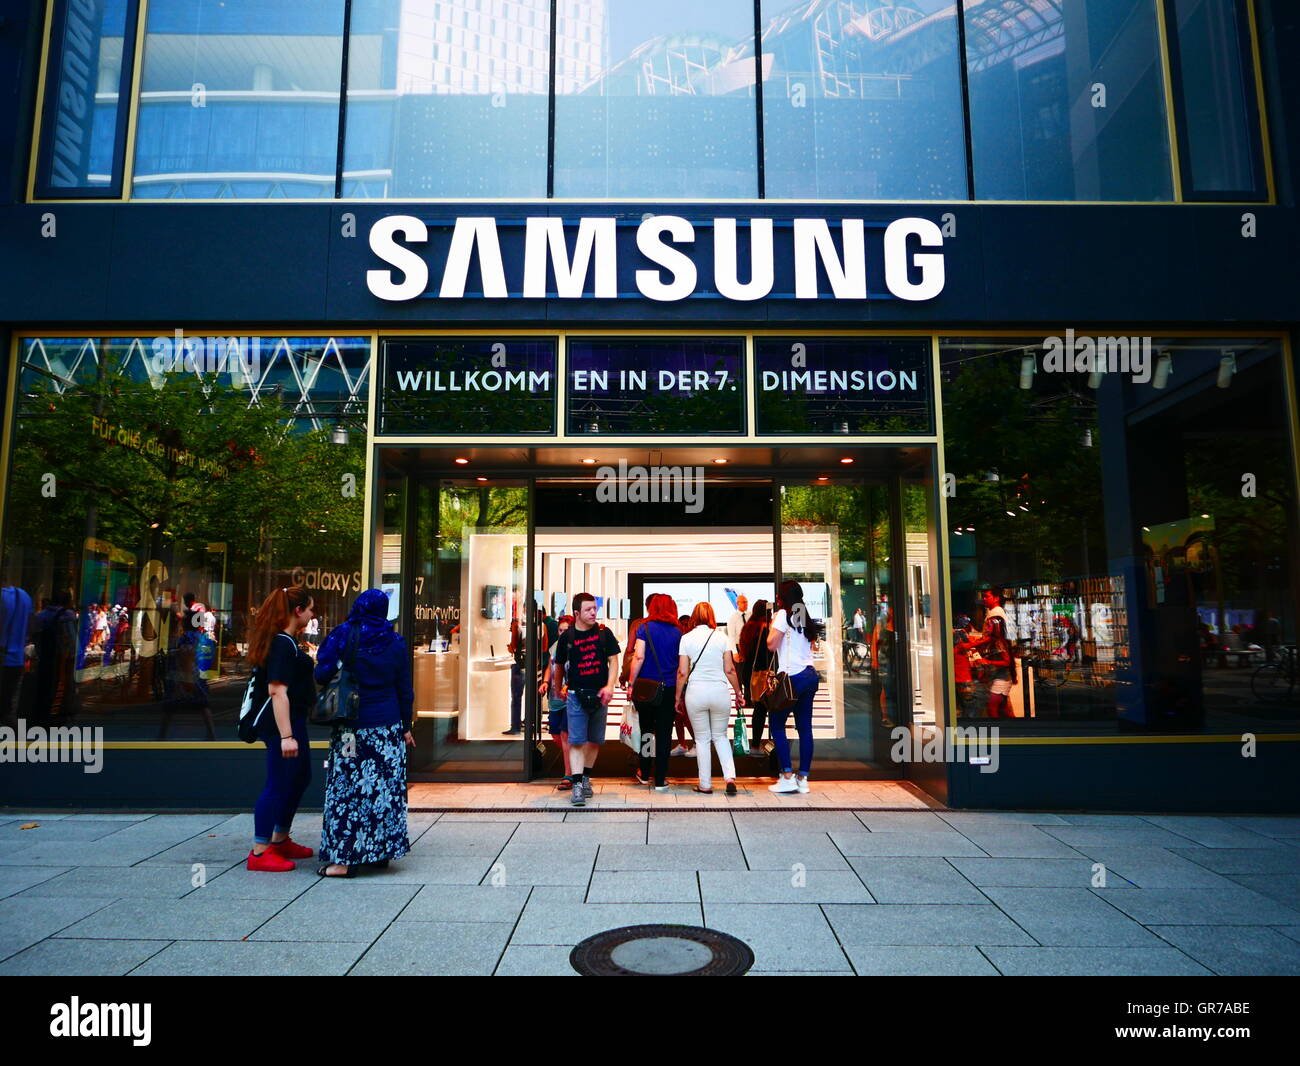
[471,385]
[157,493]
[669,385]
[424,120]
[239,99]
[1067,100]
[82,126]
[1129,527]
[862,101]
[843,384]
[663,106]
[1218,116]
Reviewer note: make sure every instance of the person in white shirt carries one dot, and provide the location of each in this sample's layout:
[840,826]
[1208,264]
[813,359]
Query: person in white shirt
[792,633]
[709,689]
[735,624]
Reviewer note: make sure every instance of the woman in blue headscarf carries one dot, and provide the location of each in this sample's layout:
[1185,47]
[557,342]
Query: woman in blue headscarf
[365,793]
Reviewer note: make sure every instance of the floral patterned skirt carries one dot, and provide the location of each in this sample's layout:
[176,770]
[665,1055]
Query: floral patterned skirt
[365,797]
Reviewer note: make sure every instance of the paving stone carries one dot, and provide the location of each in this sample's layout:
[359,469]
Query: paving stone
[80,958]
[551,918]
[1033,873]
[1233,861]
[578,814]
[780,886]
[1071,917]
[785,851]
[1270,827]
[990,819]
[791,937]
[904,844]
[1020,842]
[1135,821]
[811,821]
[1156,868]
[194,918]
[643,886]
[466,903]
[66,853]
[1118,836]
[62,829]
[914,879]
[666,827]
[90,882]
[569,833]
[1236,952]
[464,838]
[899,822]
[238,882]
[529,960]
[1170,906]
[13,879]
[250,958]
[24,922]
[417,869]
[1212,832]
[33,816]
[546,864]
[467,949]
[335,909]
[670,857]
[924,925]
[1284,888]
[502,816]
[1094,962]
[874,961]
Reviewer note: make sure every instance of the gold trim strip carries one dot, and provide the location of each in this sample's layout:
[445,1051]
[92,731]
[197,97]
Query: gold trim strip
[40,107]
[941,334]
[6,435]
[133,109]
[1261,101]
[1171,124]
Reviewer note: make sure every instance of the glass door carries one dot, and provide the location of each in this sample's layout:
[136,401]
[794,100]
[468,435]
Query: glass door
[467,586]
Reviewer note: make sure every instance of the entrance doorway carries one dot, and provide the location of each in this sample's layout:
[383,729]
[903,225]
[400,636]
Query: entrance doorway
[486,556]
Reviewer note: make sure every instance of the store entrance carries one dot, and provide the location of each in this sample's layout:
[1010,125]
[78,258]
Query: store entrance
[489,554]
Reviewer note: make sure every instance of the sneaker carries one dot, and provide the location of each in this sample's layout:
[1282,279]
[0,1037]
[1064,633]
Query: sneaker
[579,795]
[784,784]
[801,783]
[731,788]
[661,788]
[269,861]
[290,850]
[679,750]
[587,790]
[690,752]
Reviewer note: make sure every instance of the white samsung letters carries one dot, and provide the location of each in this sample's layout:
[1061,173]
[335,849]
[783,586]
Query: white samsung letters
[665,243]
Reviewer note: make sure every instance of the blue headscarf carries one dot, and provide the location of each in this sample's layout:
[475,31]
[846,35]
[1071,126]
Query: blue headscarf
[370,613]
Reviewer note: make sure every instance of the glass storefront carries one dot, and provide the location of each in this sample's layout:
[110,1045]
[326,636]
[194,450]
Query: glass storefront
[814,100]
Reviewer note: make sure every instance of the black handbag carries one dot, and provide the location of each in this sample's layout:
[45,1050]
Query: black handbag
[340,701]
[645,690]
[780,694]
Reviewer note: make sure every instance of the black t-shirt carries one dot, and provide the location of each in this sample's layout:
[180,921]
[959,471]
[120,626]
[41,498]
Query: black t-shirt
[287,664]
[585,656]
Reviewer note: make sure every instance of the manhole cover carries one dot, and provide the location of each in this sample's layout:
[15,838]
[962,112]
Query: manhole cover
[661,951]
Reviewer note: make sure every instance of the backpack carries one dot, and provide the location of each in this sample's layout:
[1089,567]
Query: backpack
[251,715]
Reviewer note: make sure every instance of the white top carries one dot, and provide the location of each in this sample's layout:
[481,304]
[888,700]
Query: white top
[1000,612]
[734,625]
[795,653]
[708,663]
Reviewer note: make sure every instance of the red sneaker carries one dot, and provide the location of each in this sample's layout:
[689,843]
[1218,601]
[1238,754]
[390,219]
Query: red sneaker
[290,850]
[270,861]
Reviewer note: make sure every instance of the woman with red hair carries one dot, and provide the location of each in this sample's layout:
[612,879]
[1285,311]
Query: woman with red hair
[657,640]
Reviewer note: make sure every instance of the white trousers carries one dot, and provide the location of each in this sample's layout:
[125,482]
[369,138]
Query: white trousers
[708,705]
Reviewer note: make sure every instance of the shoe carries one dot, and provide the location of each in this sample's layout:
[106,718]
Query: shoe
[579,795]
[801,783]
[587,789]
[705,791]
[511,732]
[641,780]
[566,783]
[731,788]
[270,862]
[689,753]
[679,750]
[784,784]
[661,788]
[290,850]
[353,870]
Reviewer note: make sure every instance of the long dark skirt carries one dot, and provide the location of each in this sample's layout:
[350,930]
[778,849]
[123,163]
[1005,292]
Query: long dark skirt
[365,797]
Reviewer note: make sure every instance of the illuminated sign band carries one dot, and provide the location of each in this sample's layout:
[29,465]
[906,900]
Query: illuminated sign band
[663,243]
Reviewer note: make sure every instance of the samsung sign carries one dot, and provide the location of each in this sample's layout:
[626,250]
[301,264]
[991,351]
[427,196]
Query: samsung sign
[664,244]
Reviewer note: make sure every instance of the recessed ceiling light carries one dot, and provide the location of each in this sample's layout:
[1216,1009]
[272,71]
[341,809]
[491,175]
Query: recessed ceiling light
[461,461]
[823,478]
[480,479]
[720,462]
[589,462]
[846,460]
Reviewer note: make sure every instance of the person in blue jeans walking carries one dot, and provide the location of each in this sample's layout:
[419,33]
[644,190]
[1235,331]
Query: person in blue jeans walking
[792,632]
[586,660]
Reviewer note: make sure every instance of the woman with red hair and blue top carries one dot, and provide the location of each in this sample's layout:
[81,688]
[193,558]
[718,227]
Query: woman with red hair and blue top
[364,822]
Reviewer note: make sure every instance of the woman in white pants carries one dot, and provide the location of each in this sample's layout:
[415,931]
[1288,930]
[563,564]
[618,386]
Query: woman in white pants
[708,688]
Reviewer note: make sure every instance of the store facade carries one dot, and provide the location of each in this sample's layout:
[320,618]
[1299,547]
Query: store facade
[577,297]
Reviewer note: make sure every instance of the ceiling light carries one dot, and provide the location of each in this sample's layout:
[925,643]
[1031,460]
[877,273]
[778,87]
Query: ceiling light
[720,462]
[461,461]
[1028,367]
[339,435]
[589,462]
[480,479]
[1012,513]
[846,460]
[1164,367]
[1227,368]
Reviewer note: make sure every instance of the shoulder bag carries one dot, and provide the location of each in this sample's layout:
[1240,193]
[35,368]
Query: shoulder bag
[251,712]
[780,694]
[646,690]
[759,680]
[340,701]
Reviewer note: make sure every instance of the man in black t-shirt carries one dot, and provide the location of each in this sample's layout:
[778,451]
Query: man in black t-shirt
[586,659]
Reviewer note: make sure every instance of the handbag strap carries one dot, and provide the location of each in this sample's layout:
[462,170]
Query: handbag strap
[350,649]
[651,645]
[757,644]
[698,657]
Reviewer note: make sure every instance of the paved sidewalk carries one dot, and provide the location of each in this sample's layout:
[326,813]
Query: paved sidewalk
[812,892]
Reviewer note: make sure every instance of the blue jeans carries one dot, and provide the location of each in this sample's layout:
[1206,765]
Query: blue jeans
[585,727]
[286,781]
[805,687]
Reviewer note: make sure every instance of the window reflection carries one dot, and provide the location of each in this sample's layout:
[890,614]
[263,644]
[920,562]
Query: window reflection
[862,99]
[655,99]
[239,99]
[1067,100]
[448,98]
